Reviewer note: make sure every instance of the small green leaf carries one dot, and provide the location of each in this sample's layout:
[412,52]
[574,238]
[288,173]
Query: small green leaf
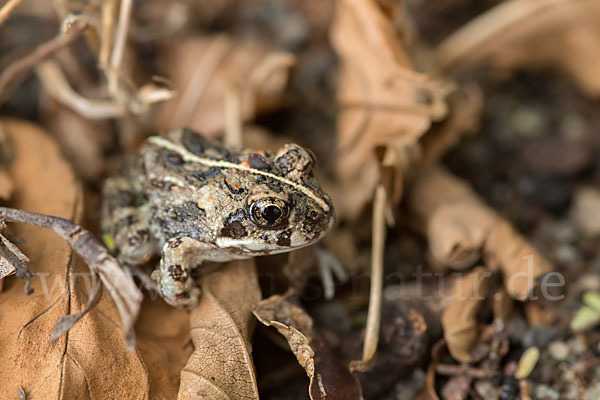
[527,363]
[109,242]
[592,299]
[586,317]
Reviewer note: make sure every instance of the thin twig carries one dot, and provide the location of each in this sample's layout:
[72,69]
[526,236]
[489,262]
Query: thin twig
[56,85]
[375,296]
[8,8]
[116,58]
[18,70]
[108,15]
[475,37]
[233,115]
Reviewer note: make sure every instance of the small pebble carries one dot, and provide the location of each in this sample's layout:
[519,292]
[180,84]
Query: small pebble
[586,210]
[573,126]
[589,282]
[578,345]
[408,389]
[527,121]
[559,350]
[570,390]
[568,254]
[543,392]
[592,393]
[486,390]
[564,231]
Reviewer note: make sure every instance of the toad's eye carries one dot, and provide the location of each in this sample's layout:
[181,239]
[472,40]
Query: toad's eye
[269,212]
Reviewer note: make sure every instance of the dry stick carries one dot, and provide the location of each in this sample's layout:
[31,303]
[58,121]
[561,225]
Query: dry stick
[17,71]
[108,15]
[116,58]
[57,86]
[8,8]
[377,253]
[478,33]
[233,115]
[124,292]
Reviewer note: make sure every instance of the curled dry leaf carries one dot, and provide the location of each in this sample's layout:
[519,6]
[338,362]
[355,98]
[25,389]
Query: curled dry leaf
[204,69]
[523,33]
[328,379]
[221,327]
[76,364]
[459,319]
[383,101]
[466,106]
[460,228]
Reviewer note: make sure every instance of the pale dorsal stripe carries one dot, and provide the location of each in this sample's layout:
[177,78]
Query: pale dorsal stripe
[189,156]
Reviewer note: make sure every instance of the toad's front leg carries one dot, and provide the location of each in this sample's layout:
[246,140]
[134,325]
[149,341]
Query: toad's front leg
[174,275]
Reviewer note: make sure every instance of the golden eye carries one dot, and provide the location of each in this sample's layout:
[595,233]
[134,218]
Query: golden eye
[269,212]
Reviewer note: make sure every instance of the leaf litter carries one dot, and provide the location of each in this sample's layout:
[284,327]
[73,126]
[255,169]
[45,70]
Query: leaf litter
[449,212]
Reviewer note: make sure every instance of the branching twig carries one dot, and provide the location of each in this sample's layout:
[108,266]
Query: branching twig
[57,86]
[122,288]
[19,69]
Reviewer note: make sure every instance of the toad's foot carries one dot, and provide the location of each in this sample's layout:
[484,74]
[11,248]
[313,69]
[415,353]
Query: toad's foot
[174,276]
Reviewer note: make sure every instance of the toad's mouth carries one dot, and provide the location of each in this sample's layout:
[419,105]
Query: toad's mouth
[250,246]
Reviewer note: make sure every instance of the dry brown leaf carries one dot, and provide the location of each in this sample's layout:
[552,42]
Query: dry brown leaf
[466,106]
[383,101]
[328,379]
[204,69]
[460,228]
[532,33]
[92,360]
[221,328]
[459,319]
[163,341]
